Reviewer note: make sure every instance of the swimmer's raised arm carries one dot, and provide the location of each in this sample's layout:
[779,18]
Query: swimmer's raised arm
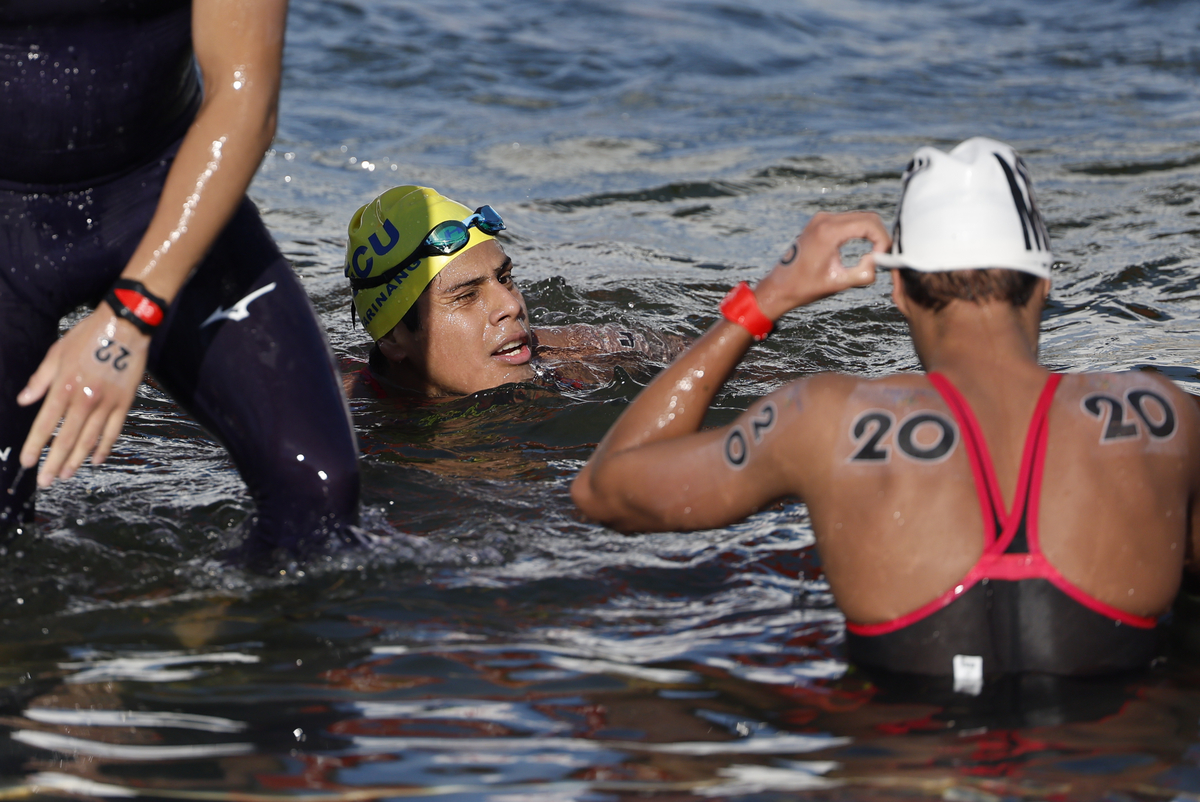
[655,470]
[89,377]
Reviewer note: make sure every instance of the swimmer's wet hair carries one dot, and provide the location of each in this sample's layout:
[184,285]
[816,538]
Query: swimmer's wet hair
[412,318]
[936,290]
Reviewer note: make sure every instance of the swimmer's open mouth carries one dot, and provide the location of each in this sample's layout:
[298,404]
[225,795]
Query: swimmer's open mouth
[515,352]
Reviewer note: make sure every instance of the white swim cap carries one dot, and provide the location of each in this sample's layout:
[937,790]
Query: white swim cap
[970,208]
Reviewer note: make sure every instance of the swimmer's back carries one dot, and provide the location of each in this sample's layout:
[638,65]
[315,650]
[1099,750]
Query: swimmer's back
[895,507]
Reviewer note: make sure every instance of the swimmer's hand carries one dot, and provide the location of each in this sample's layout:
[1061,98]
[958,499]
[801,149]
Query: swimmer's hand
[812,267]
[88,379]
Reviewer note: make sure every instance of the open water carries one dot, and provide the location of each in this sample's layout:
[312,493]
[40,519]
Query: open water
[493,645]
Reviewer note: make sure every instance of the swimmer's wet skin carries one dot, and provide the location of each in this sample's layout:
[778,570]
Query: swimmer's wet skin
[434,288]
[124,189]
[981,518]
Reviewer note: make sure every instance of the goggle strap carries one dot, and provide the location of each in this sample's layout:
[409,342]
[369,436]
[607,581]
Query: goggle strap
[480,217]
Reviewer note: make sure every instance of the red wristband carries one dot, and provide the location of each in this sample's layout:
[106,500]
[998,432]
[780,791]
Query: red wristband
[741,307]
[132,301]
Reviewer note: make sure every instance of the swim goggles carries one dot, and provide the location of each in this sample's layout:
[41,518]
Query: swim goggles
[445,238]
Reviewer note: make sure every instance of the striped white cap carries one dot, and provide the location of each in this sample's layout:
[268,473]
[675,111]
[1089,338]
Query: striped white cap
[970,208]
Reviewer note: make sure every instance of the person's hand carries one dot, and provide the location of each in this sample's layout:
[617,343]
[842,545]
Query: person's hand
[88,379]
[812,267]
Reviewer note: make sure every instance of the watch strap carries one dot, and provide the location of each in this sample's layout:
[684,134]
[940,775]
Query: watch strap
[741,307]
[132,301]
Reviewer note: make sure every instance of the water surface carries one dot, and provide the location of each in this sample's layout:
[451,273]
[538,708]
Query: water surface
[493,645]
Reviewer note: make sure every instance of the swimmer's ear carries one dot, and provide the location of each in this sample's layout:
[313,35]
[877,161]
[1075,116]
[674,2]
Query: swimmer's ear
[898,297]
[397,344]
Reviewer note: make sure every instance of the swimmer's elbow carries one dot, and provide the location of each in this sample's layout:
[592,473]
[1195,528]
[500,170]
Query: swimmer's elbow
[608,504]
[584,495]
[251,110]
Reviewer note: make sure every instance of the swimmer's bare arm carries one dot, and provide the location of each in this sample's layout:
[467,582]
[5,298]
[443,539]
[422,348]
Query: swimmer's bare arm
[656,470]
[582,339]
[89,377]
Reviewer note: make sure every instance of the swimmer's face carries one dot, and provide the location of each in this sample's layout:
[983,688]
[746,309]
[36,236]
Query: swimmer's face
[473,332]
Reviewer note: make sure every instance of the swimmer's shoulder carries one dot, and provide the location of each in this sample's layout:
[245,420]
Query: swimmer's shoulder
[840,393]
[817,409]
[361,384]
[1137,398]
[1122,381]
[359,381]
[823,419]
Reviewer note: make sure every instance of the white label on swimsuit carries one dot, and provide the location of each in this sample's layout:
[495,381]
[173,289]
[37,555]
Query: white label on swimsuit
[4,452]
[968,674]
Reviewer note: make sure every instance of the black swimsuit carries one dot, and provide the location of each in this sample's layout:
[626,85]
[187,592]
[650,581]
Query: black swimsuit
[96,96]
[1013,609]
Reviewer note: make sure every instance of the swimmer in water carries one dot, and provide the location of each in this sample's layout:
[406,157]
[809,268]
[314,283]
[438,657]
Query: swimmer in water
[982,518]
[434,288]
[131,132]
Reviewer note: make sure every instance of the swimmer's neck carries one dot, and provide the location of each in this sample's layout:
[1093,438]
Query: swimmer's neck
[398,380]
[395,379]
[988,339]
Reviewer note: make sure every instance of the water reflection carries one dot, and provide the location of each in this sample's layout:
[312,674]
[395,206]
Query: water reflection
[704,733]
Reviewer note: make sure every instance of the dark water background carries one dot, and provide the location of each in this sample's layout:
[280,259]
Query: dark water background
[492,645]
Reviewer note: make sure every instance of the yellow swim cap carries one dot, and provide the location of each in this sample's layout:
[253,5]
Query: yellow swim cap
[387,230]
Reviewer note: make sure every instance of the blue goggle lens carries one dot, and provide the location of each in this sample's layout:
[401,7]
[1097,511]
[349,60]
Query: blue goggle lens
[453,235]
[448,237]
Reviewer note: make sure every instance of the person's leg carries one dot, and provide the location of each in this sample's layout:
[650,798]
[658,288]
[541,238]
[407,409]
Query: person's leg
[24,337]
[243,352]
[58,249]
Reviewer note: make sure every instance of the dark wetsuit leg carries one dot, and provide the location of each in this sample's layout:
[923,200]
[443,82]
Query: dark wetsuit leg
[54,256]
[244,354]
[25,336]
[265,385]
[95,92]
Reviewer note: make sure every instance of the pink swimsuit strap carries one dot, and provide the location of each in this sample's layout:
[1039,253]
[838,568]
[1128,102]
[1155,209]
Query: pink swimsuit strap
[987,488]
